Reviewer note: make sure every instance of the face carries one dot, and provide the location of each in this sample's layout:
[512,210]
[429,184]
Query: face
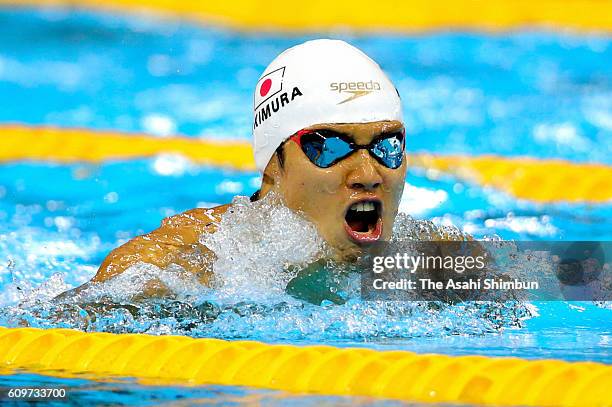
[353,202]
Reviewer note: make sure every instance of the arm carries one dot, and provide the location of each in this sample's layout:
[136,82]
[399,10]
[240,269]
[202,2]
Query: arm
[176,241]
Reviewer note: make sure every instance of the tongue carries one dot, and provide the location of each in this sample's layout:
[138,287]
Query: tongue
[358,225]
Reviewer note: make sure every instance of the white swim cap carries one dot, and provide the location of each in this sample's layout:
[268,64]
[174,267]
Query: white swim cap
[321,81]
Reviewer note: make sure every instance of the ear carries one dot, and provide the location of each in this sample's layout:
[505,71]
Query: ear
[272,176]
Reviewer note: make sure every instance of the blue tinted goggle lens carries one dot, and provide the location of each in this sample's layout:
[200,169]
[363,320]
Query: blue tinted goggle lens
[326,151]
[389,151]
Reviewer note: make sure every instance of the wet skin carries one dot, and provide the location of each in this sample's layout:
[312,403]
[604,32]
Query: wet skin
[322,195]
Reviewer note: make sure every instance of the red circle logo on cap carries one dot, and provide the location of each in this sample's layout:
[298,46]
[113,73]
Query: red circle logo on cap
[265,87]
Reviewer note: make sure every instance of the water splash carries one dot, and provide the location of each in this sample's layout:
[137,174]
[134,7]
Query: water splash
[256,243]
[260,248]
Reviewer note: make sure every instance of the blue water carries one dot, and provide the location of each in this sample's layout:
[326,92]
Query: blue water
[539,94]
[128,392]
[525,93]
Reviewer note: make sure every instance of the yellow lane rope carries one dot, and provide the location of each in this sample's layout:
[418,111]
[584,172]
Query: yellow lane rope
[526,178]
[544,181]
[310,369]
[82,145]
[407,15]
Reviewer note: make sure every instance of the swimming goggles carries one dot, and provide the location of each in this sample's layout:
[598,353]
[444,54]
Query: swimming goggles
[325,148]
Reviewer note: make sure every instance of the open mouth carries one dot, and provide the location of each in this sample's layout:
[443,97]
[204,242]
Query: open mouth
[363,221]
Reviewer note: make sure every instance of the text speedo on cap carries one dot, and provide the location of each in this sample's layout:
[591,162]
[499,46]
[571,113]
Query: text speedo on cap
[320,81]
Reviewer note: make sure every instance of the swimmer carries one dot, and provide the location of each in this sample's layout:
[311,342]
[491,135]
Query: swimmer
[328,139]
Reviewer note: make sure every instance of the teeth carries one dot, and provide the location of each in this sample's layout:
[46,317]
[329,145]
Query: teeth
[363,207]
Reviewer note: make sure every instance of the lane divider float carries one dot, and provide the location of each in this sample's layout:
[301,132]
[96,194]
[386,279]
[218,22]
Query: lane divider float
[402,375]
[539,180]
[362,15]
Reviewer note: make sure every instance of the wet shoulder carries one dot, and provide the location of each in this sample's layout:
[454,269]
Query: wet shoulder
[208,218]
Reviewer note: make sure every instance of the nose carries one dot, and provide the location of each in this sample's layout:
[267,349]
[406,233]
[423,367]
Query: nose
[363,175]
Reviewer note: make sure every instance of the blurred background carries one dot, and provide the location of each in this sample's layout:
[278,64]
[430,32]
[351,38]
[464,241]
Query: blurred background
[105,112]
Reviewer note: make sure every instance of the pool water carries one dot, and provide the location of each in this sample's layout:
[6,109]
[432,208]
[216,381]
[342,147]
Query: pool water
[530,93]
[128,392]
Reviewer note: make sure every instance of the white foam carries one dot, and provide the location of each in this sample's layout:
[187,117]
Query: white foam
[254,244]
[140,277]
[260,247]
